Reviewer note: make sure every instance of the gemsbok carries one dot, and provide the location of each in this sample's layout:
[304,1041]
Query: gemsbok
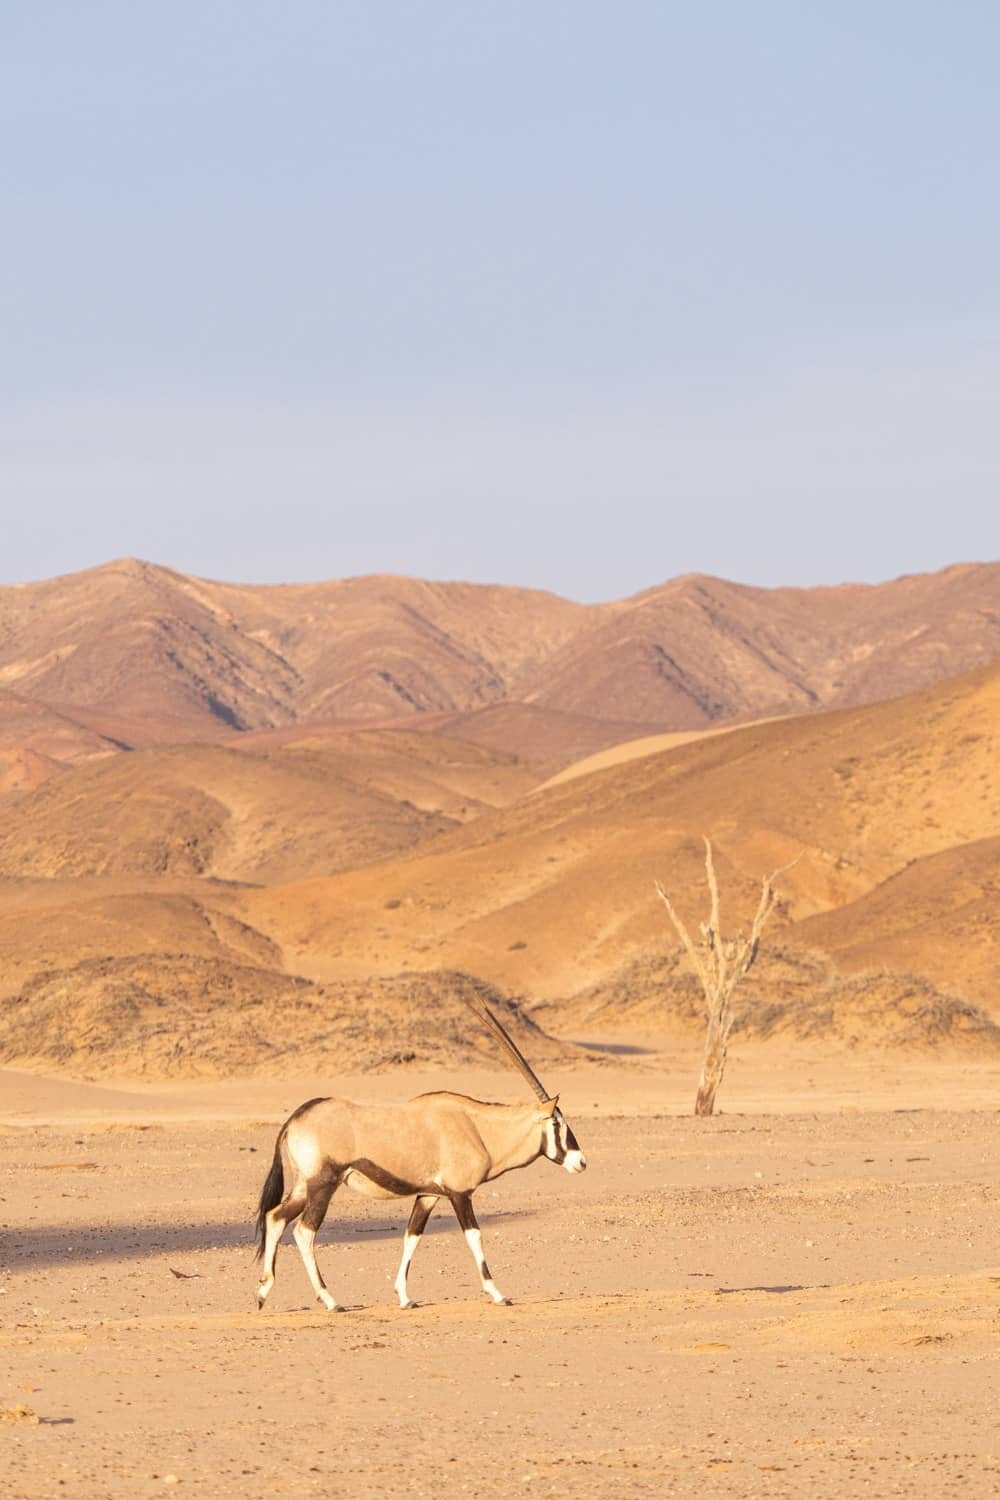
[435,1146]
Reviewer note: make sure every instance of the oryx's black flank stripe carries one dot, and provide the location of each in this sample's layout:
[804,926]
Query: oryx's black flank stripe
[389,1181]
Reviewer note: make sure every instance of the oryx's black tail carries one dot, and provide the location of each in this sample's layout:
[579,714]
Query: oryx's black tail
[270,1194]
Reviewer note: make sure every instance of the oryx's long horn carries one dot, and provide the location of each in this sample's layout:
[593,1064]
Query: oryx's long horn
[485,1014]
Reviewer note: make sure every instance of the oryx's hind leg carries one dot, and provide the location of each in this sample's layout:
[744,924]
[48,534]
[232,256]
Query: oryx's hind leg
[462,1204]
[305,1232]
[274,1227]
[419,1214]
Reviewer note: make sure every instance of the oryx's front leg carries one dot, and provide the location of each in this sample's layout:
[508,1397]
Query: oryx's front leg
[462,1204]
[419,1214]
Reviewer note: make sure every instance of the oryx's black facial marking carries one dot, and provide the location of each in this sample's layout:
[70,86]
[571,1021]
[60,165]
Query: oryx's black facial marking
[560,1145]
[559,1139]
[569,1140]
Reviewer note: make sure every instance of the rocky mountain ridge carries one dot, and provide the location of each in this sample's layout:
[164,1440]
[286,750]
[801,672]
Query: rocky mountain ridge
[135,654]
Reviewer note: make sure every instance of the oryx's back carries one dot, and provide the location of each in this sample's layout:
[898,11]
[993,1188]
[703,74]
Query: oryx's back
[388,1150]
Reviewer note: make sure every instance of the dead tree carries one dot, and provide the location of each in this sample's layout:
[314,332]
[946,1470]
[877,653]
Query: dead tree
[720,965]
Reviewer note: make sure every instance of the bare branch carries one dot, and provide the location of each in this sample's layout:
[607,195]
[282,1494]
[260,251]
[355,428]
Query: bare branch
[765,906]
[714,920]
[685,937]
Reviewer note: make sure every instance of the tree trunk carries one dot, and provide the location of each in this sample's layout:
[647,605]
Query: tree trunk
[712,1069]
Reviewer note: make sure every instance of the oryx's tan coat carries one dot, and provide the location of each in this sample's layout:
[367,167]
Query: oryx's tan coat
[434,1146]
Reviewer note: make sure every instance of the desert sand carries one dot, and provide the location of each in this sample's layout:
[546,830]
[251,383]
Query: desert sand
[800,1296]
[258,845]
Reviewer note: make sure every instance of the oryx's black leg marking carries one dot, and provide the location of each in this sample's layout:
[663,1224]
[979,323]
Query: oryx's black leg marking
[462,1204]
[318,1201]
[419,1214]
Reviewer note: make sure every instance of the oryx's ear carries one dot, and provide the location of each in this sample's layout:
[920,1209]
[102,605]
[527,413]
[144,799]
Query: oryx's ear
[548,1108]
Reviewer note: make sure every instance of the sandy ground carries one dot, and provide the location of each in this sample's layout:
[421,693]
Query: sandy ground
[799,1297]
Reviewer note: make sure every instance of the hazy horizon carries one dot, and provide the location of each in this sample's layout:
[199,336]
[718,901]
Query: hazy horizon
[563,296]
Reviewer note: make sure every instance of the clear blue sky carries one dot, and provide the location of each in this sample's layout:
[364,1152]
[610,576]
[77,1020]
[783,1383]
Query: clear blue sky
[574,295]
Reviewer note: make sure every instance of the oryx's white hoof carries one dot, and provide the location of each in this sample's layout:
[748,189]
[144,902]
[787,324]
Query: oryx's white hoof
[329,1302]
[405,1306]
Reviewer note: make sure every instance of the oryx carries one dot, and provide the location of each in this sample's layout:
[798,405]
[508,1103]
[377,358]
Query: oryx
[435,1146]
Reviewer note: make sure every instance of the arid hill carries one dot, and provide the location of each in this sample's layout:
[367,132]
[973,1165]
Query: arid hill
[141,654]
[544,738]
[792,994]
[548,895]
[939,916]
[134,639]
[699,651]
[258,813]
[178,1015]
[261,856]
[637,749]
[53,926]
[47,737]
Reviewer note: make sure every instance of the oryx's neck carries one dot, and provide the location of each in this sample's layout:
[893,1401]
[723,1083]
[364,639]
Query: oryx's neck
[510,1132]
